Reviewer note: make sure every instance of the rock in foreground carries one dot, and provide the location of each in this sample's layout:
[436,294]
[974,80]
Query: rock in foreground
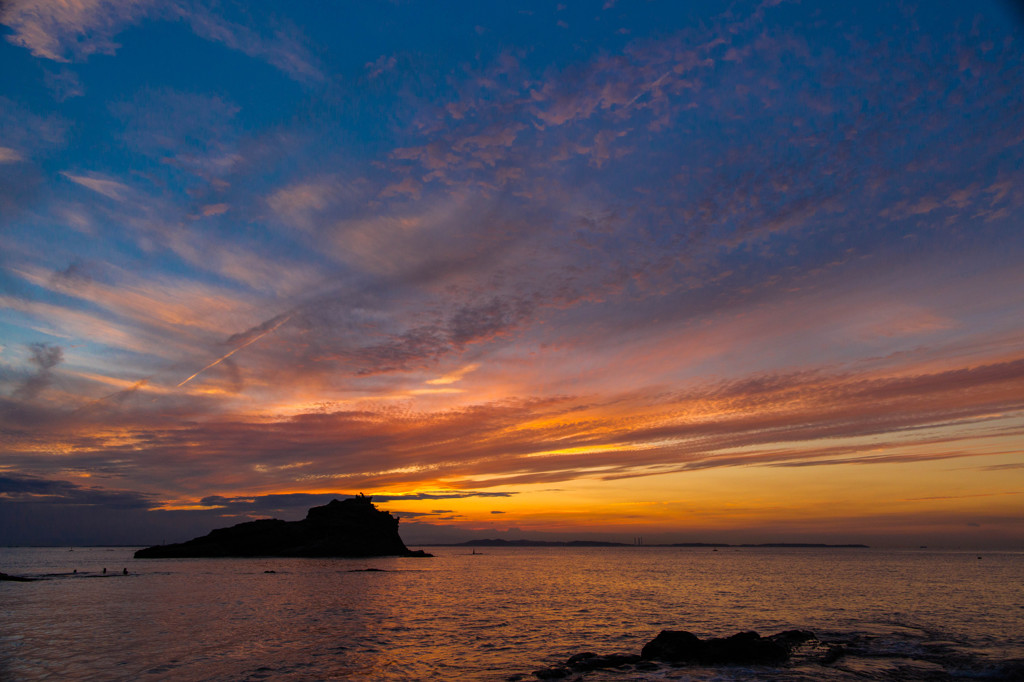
[678,647]
[349,528]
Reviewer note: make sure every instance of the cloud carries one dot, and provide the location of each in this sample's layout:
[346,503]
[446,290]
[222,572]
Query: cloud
[474,323]
[108,188]
[215,209]
[195,130]
[284,49]
[456,376]
[380,66]
[14,489]
[301,199]
[64,84]
[293,504]
[129,311]
[72,30]
[804,420]
[407,186]
[26,133]
[963,497]
[44,357]
[315,204]
[257,332]
[1003,467]
[8,155]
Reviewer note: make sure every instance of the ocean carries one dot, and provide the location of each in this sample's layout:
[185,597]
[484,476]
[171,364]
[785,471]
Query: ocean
[504,613]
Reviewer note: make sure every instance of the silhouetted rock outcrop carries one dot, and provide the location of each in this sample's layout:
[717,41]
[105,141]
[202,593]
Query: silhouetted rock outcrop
[15,578]
[349,528]
[678,646]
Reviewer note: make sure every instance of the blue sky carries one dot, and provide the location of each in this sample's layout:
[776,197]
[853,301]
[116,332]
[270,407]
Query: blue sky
[603,267]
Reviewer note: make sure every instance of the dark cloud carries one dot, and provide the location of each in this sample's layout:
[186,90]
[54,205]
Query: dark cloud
[40,511]
[487,320]
[416,348]
[77,273]
[1003,467]
[250,335]
[402,514]
[264,504]
[16,489]
[44,357]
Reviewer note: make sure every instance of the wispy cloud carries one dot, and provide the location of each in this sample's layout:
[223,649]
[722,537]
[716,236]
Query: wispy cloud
[456,376]
[75,29]
[8,155]
[108,188]
[779,421]
[285,48]
[72,30]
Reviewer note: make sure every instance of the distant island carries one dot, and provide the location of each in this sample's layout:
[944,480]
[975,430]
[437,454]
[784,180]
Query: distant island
[496,542]
[348,528]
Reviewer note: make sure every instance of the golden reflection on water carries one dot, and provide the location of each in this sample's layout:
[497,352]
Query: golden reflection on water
[460,616]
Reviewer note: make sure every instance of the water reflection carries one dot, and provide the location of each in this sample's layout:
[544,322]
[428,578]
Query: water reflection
[475,617]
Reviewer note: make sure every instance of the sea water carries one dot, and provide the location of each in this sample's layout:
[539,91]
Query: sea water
[503,612]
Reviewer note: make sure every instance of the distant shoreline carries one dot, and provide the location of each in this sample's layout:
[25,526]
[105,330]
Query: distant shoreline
[597,543]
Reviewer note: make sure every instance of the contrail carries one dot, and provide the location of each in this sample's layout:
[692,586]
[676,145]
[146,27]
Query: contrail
[131,389]
[235,350]
[647,88]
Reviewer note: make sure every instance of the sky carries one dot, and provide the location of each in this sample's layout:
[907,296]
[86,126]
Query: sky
[692,271]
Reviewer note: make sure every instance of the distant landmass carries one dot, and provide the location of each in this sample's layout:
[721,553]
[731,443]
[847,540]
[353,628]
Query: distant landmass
[497,542]
[348,528]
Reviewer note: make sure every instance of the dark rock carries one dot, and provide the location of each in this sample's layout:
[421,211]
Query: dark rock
[793,638]
[590,661]
[672,645]
[1012,669]
[743,648]
[349,528]
[552,673]
[681,648]
[833,654]
[16,578]
[608,661]
[576,658]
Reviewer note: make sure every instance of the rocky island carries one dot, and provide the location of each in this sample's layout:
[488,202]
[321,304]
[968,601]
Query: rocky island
[341,528]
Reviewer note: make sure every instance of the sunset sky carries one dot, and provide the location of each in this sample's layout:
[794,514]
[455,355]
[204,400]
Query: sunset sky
[696,271]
